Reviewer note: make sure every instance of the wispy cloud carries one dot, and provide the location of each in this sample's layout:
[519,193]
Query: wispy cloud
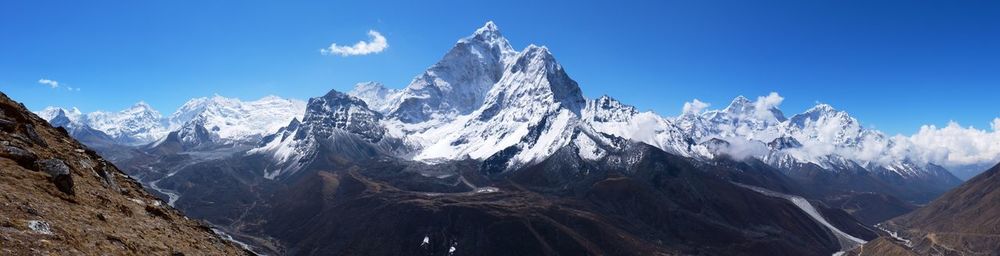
[377,44]
[50,83]
[55,84]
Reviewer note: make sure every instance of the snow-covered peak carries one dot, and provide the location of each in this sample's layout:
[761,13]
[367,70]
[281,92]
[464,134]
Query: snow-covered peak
[488,28]
[137,124]
[820,111]
[198,106]
[739,105]
[756,120]
[535,82]
[606,108]
[490,35]
[531,112]
[64,116]
[234,120]
[825,124]
[762,109]
[610,116]
[376,95]
[458,83]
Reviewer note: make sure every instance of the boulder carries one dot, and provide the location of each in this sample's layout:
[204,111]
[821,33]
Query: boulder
[59,173]
[23,157]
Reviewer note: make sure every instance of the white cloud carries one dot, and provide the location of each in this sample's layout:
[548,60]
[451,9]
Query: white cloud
[694,107]
[377,44]
[49,83]
[954,145]
[764,104]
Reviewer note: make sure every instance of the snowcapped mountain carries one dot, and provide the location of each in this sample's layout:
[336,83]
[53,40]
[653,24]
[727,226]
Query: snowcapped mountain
[377,96]
[60,117]
[235,120]
[135,125]
[743,118]
[609,116]
[335,122]
[821,138]
[216,119]
[529,114]
[488,102]
[459,82]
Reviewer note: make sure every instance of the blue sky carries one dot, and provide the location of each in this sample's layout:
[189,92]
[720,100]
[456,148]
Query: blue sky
[895,65]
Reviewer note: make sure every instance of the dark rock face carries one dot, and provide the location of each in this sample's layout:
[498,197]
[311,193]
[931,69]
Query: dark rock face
[7,125]
[21,156]
[784,143]
[337,110]
[660,204]
[60,174]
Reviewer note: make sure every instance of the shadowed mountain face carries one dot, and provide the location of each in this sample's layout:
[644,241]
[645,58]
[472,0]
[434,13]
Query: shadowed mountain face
[653,204]
[964,221]
[60,197]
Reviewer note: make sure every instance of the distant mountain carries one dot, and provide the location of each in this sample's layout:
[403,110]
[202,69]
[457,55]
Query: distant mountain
[377,96]
[823,147]
[214,121]
[139,124]
[201,120]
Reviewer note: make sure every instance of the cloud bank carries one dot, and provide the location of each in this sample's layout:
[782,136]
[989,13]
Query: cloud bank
[377,44]
[954,145]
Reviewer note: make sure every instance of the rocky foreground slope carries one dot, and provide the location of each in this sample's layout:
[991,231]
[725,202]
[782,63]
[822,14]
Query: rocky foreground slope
[59,198]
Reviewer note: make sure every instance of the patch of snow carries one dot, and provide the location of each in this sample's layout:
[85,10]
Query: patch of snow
[40,227]
[486,190]
[137,201]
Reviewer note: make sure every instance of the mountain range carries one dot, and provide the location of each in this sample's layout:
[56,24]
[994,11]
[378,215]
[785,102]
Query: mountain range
[493,142]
